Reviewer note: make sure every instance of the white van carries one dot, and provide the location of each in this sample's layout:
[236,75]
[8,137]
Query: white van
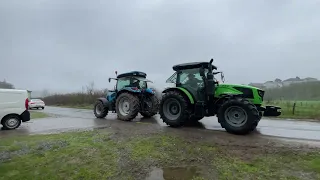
[13,108]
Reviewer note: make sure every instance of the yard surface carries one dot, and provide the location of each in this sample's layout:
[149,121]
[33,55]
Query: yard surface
[134,152]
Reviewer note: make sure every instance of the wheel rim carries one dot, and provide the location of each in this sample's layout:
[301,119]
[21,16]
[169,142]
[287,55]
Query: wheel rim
[172,109]
[236,116]
[124,106]
[99,108]
[12,122]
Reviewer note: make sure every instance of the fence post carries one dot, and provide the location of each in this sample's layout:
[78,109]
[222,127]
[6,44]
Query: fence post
[294,108]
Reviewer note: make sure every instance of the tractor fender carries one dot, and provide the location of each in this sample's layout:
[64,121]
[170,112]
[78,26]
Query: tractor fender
[182,91]
[104,101]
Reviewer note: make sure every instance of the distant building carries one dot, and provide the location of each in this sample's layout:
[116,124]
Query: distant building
[277,83]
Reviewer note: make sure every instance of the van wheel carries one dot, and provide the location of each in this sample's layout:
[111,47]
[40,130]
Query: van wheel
[11,122]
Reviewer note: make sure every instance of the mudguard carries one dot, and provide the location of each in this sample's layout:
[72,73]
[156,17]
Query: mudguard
[104,101]
[182,90]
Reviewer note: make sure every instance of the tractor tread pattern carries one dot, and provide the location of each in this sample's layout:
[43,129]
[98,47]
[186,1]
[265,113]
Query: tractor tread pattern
[252,112]
[134,107]
[184,108]
[104,112]
[154,109]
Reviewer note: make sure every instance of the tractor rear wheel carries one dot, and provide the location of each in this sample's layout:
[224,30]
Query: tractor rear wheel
[174,109]
[127,106]
[99,110]
[238,116]
[152,104]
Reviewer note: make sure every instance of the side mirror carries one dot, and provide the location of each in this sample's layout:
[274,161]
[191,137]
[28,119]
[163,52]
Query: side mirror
[109,80]
[222,77]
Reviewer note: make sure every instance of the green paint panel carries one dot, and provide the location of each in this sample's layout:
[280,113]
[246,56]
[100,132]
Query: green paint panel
[184,91]
[188,94]
[229,89]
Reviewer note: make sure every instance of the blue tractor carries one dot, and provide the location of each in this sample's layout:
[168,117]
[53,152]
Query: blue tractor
[130,96]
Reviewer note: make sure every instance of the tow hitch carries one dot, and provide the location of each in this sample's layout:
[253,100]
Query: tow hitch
[269,111]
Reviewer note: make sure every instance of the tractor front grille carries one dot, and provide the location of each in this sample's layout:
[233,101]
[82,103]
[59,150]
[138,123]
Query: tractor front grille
[247,92]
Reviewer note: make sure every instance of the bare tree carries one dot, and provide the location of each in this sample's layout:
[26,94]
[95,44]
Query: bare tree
[90,88]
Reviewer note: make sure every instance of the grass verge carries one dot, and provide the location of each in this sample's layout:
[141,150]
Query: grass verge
[100,154]
[38,115]
[298,109]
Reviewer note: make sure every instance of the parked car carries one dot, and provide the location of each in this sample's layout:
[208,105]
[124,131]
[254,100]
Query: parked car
[36,103]
[14,105]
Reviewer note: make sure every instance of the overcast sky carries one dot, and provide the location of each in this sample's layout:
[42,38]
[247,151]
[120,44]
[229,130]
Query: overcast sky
[65,44]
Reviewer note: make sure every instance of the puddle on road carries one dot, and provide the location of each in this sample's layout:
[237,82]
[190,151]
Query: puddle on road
[173,173]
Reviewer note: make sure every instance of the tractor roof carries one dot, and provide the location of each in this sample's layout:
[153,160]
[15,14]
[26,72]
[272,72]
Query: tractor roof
[192,65]
[133,73]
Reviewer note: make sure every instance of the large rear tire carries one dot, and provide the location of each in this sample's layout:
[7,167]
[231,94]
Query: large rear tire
[127,106]
[153,107]
[174,109]
[99,109]
[238,116]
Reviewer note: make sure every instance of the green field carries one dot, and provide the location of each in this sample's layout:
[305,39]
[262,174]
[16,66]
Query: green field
[100,154]
[302,110]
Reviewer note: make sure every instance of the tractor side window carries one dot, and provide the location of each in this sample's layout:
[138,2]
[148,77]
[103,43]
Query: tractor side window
[122,83]
[184,77]
[172,79]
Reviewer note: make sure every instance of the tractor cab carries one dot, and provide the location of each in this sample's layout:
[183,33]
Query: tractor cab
[197,78]
[134,79]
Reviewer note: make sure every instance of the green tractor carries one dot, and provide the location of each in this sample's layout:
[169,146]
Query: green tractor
[198,94]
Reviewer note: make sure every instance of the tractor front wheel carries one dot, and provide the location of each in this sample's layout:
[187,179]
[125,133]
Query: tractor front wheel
[173,109]
[99,110]
[127,106]
[238,116]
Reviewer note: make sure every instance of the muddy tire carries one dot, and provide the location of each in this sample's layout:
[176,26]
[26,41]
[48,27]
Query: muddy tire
[174,109]
[153,110]
[99,110]
[11,122]
[238,116]
[127,106]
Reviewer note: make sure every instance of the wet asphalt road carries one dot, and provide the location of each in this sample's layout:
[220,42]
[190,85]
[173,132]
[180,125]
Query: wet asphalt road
[65,119]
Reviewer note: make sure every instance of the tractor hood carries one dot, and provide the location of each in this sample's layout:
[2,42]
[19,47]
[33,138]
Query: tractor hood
[254,94]
[238,85]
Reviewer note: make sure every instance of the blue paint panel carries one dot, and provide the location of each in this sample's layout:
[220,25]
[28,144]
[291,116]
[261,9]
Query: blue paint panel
[111,96]
[150,90]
